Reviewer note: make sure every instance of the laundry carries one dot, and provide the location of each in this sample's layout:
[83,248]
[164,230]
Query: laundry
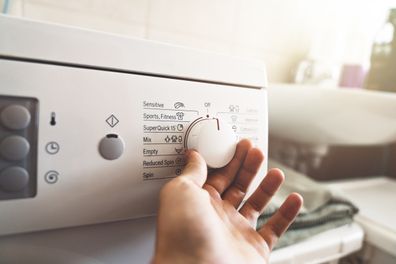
[322,210]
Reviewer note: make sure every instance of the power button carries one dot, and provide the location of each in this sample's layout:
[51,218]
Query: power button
[111,147]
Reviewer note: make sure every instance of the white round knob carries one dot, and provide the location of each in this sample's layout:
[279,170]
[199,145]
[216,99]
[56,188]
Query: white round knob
[213,139]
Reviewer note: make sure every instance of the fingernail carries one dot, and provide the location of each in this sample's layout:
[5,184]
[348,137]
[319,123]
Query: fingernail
[296,201]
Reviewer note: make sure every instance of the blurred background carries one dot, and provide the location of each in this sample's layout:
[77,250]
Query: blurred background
[288,35]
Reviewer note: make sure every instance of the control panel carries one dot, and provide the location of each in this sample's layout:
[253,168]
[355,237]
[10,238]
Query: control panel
[82,146]
[92,125]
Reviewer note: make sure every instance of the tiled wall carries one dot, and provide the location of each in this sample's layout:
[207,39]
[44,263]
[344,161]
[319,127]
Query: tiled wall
[279,32]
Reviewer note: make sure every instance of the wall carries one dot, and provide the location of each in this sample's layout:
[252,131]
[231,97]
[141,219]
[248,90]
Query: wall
[279,32]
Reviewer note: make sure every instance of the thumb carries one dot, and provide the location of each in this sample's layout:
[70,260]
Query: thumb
[195,169]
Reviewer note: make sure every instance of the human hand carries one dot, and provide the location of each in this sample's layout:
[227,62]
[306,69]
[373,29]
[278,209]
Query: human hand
[199,221]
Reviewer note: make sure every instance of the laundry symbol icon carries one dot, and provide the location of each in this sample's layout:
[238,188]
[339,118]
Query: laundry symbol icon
[179,161]
[178,105]
[234,108]
[167,139]
[178,150]
[180,115]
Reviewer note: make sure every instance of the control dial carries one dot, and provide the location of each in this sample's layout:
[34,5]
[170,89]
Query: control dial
[213,139]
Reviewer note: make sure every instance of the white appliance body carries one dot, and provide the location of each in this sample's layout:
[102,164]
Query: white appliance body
[88,86]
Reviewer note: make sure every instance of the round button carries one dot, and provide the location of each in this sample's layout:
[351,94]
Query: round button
[15,117]
[14,179]
[14,148]
[214,140]
[111,147]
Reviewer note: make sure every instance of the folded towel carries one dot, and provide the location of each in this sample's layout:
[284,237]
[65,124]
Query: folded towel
[322,210]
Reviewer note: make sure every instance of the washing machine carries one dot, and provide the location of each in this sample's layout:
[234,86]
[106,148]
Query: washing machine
[92,125]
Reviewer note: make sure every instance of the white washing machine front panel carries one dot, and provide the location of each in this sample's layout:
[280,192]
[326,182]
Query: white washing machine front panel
[104,140]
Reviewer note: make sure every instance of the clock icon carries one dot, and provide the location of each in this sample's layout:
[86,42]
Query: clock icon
[52,148]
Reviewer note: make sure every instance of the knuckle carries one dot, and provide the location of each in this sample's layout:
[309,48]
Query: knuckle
[242,188]
[255,205]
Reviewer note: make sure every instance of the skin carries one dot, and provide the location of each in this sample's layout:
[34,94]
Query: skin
[200,219]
